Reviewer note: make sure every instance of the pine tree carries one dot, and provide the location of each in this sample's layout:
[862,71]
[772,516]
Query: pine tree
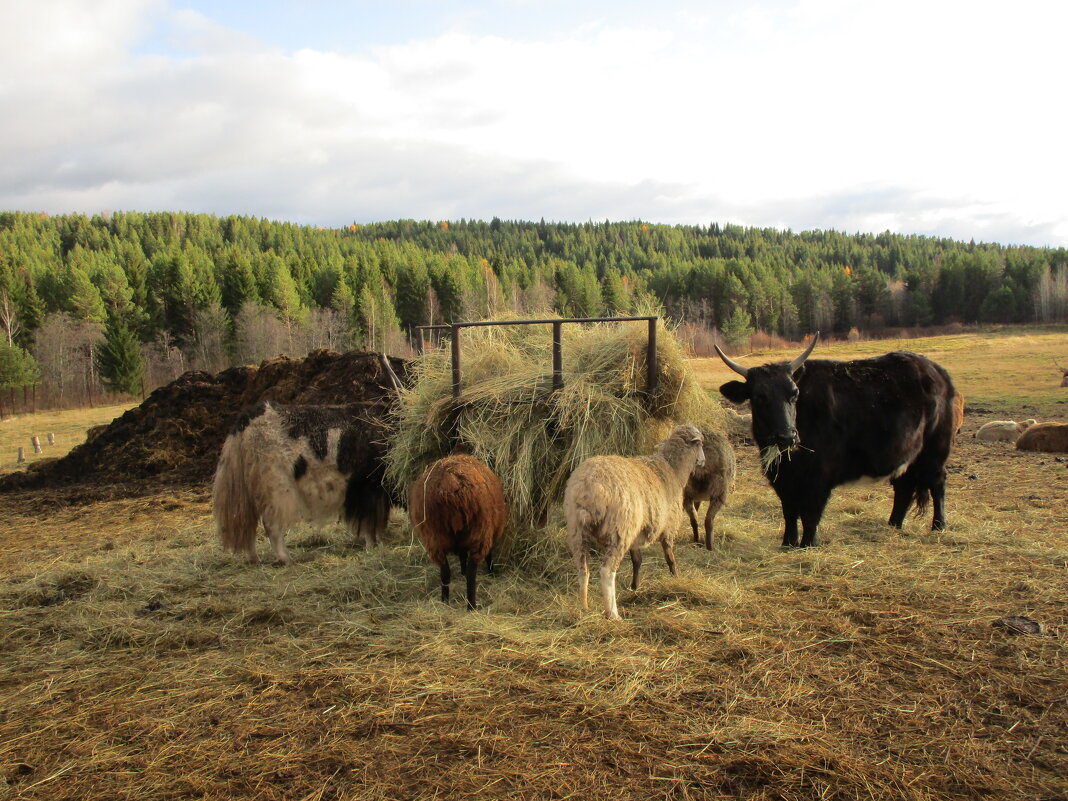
[119,359]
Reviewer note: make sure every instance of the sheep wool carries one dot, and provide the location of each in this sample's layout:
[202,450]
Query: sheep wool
[617,505]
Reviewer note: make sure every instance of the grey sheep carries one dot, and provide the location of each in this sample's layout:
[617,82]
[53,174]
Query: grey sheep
[713,482]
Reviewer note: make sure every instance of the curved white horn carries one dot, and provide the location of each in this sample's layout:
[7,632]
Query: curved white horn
[389,372]
[742,371]
[801,359]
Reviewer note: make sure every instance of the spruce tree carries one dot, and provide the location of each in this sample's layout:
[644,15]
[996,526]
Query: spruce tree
[119,359]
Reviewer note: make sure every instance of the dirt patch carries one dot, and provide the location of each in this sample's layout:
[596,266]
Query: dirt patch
[174,437]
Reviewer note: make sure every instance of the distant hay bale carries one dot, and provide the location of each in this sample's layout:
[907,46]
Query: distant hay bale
[531,436]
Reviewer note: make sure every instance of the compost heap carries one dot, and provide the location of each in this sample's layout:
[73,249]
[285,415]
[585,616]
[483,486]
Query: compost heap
[175,435]
[510,417]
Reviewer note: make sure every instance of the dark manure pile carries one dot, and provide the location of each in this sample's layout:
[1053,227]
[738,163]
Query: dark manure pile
[174,437]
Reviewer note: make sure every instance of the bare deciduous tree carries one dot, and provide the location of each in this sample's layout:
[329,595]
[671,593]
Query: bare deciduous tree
[63,347]
[207,345]
[9,317]
[259,333]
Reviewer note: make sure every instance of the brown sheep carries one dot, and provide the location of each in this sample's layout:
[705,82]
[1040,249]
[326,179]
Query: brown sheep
[619,505]
[457,507]
[1046,437]
[713,482]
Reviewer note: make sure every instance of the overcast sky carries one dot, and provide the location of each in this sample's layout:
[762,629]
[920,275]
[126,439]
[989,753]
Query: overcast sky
[929,116]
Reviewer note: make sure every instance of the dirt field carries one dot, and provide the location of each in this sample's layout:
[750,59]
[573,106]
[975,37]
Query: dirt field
[139,661]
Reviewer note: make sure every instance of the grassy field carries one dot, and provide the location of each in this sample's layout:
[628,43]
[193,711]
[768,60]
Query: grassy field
[139,661]
[68,426]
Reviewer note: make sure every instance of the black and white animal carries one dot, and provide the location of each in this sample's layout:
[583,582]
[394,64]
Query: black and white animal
[820,423]
[302,463]
[617,505]
[712,482]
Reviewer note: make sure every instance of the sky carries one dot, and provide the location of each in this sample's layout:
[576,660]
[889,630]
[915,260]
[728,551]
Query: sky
[931,117]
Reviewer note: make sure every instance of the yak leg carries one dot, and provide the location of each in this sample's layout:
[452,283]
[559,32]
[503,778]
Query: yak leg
[810,521]
[691,511]
[370,534]
[636,562]
[789,534]
[904,491]
[472,581]
[669,556]
[489,562]
[276,535]
[583,564]
[938,499]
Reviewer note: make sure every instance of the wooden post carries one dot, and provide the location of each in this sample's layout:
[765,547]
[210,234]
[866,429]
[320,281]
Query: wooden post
[456,364]
[36,442]
[51,438]
[558,362]
[650,360]
[22,456]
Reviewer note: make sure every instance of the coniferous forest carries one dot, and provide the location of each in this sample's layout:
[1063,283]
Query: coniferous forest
[123,302]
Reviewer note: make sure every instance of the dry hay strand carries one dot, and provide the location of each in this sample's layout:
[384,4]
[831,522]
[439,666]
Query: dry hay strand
[532,436]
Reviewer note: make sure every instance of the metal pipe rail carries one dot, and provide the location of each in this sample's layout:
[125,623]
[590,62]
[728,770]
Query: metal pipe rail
[652,375]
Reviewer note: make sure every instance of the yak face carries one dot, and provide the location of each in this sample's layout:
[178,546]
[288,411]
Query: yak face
[772,393]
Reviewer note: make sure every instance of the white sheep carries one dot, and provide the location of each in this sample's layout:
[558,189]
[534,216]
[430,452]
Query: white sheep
[618,504]
[712,482]
[1002,430]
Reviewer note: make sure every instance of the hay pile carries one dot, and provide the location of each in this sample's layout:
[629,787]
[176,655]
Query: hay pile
[534,437]
[174,437]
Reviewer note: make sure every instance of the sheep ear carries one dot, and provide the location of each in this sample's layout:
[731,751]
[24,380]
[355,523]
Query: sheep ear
[735,391]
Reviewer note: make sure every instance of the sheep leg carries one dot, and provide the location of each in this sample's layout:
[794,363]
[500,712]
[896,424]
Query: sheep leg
[710,519]
[582,562]
[608,590]
[691,511]
[472,582]
[669,557]
[636,562]
[446,577]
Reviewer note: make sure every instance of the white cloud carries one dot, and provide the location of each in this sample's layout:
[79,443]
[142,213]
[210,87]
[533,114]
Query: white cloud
[935,118]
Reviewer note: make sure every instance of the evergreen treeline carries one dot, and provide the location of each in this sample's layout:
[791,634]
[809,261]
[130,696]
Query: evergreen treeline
[85,294]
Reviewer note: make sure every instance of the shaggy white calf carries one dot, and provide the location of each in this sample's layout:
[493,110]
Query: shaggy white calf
[290,464]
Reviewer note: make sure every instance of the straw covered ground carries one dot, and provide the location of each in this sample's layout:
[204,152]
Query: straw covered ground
[137,660]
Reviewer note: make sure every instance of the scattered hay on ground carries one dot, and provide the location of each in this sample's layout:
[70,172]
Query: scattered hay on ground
[154,666]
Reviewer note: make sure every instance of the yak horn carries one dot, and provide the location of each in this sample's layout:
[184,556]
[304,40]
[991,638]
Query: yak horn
[801,359]
[742,371]
[389,372]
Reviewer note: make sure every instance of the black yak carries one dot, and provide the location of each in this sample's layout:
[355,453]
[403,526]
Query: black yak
[820,423]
